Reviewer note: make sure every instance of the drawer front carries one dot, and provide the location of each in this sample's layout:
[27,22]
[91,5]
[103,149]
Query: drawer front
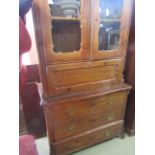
[69,110]
[82,124]
[88,139]
[73,77]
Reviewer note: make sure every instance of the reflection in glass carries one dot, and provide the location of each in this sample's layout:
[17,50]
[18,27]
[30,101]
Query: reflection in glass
[109,29]
[66,32]
[65,8]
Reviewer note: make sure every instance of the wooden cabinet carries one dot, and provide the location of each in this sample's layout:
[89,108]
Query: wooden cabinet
[82,48]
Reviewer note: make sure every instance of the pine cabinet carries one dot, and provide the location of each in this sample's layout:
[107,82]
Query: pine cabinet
[82,48]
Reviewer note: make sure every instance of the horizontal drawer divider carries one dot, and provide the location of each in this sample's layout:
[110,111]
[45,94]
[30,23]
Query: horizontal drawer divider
[90,94]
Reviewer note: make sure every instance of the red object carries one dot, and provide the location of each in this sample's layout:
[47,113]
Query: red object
[24,46]
[27,145]
[24,38]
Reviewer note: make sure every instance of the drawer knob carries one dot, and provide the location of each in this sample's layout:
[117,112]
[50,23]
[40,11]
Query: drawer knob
[91,138]
[95,118]
[92,103]
[71,128]
[110,117]
[110,102]
[70,112]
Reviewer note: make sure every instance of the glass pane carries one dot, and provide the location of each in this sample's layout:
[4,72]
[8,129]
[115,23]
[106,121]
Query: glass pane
[109,30]
[66,32]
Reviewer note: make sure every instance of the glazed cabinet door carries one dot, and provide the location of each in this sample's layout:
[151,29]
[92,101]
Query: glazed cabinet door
[110,23]
[63,28]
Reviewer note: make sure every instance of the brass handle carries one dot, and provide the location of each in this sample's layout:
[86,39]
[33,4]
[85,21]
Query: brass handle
[71,128]
[91,138]
[110,117]
[107,133]
[94,119]
[70,112]
[110,102]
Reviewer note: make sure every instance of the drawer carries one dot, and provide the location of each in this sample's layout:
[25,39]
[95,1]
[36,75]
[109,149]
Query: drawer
[80,76]
[73,109]
[88,139]
[82,124]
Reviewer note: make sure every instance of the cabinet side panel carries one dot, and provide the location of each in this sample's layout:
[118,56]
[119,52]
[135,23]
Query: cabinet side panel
[38,36]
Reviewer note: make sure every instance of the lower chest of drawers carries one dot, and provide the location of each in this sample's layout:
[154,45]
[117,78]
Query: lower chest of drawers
[69,118]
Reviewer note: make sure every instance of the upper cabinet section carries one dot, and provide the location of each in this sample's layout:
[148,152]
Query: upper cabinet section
[110,25]
[73,30]
[64,29]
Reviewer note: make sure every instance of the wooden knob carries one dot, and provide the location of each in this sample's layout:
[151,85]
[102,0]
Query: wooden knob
[116,67]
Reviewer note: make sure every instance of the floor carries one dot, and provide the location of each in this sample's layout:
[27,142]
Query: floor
[115,146]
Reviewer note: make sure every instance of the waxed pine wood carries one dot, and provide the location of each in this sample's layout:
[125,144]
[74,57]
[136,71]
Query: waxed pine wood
[83,92]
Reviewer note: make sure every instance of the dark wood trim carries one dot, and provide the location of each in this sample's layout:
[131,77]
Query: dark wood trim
[33,112]
[130,78]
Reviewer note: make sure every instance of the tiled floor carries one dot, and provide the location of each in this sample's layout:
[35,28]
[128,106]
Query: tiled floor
[115,146]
